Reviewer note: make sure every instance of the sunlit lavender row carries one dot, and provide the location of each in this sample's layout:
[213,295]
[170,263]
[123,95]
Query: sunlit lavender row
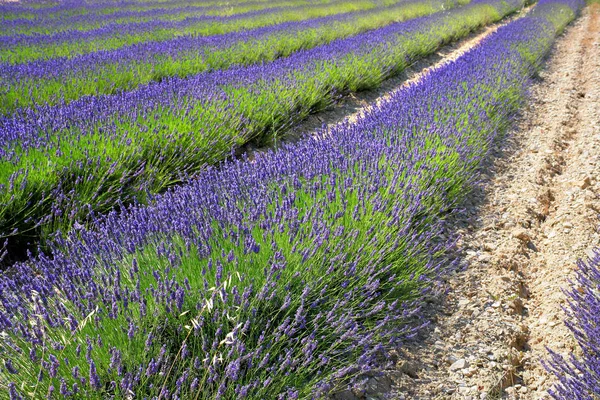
[21,48]
[64,79]
[62,163]
[286,276]
[45,24]
[28,10]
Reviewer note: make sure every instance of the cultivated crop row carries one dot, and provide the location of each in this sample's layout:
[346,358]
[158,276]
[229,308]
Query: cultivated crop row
[63,163]
[285,277]
[23,48]
[35,11]
[82,22]
[59,80]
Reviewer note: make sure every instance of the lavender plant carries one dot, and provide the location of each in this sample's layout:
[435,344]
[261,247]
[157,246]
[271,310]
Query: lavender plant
[578,377]
[59,164]
[282,277]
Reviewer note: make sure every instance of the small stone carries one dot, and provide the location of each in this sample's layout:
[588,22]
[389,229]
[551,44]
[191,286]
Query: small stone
[568,225]
[459,364]
[517,306]
[489,247]
[449,390]
[464,389]
[409,368]
[485,258]
[522,236]
[587,182]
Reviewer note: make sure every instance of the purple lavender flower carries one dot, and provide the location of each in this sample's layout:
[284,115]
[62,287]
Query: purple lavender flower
[94,378]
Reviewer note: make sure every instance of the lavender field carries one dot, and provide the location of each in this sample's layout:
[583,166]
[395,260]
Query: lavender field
[146,253]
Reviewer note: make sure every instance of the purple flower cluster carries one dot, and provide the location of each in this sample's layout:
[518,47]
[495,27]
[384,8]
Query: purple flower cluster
[579,376]
[282,277]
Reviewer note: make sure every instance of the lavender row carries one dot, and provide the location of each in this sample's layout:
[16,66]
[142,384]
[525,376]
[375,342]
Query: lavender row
[23,48]
[35,127]
[127,67]
[111,30]
[285,277]
[86,21]
[60,163]
[578,376]
[30,10]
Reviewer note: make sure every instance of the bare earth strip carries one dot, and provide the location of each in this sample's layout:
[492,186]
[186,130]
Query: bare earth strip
[535,213]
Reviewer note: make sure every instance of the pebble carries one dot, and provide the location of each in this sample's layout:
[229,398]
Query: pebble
[523,389]
[489,247]
[485,258]
[522,236]
[464,389]
[586,182]
[459,364]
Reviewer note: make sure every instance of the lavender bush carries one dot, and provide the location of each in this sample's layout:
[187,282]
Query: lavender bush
[579,376]
[282,277]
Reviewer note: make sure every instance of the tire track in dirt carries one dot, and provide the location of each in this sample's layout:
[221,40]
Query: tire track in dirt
[523,229]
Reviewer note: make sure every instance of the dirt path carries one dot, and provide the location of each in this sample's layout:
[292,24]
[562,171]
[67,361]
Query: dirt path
[534,215]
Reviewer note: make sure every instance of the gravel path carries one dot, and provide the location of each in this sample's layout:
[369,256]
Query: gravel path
[534,215]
